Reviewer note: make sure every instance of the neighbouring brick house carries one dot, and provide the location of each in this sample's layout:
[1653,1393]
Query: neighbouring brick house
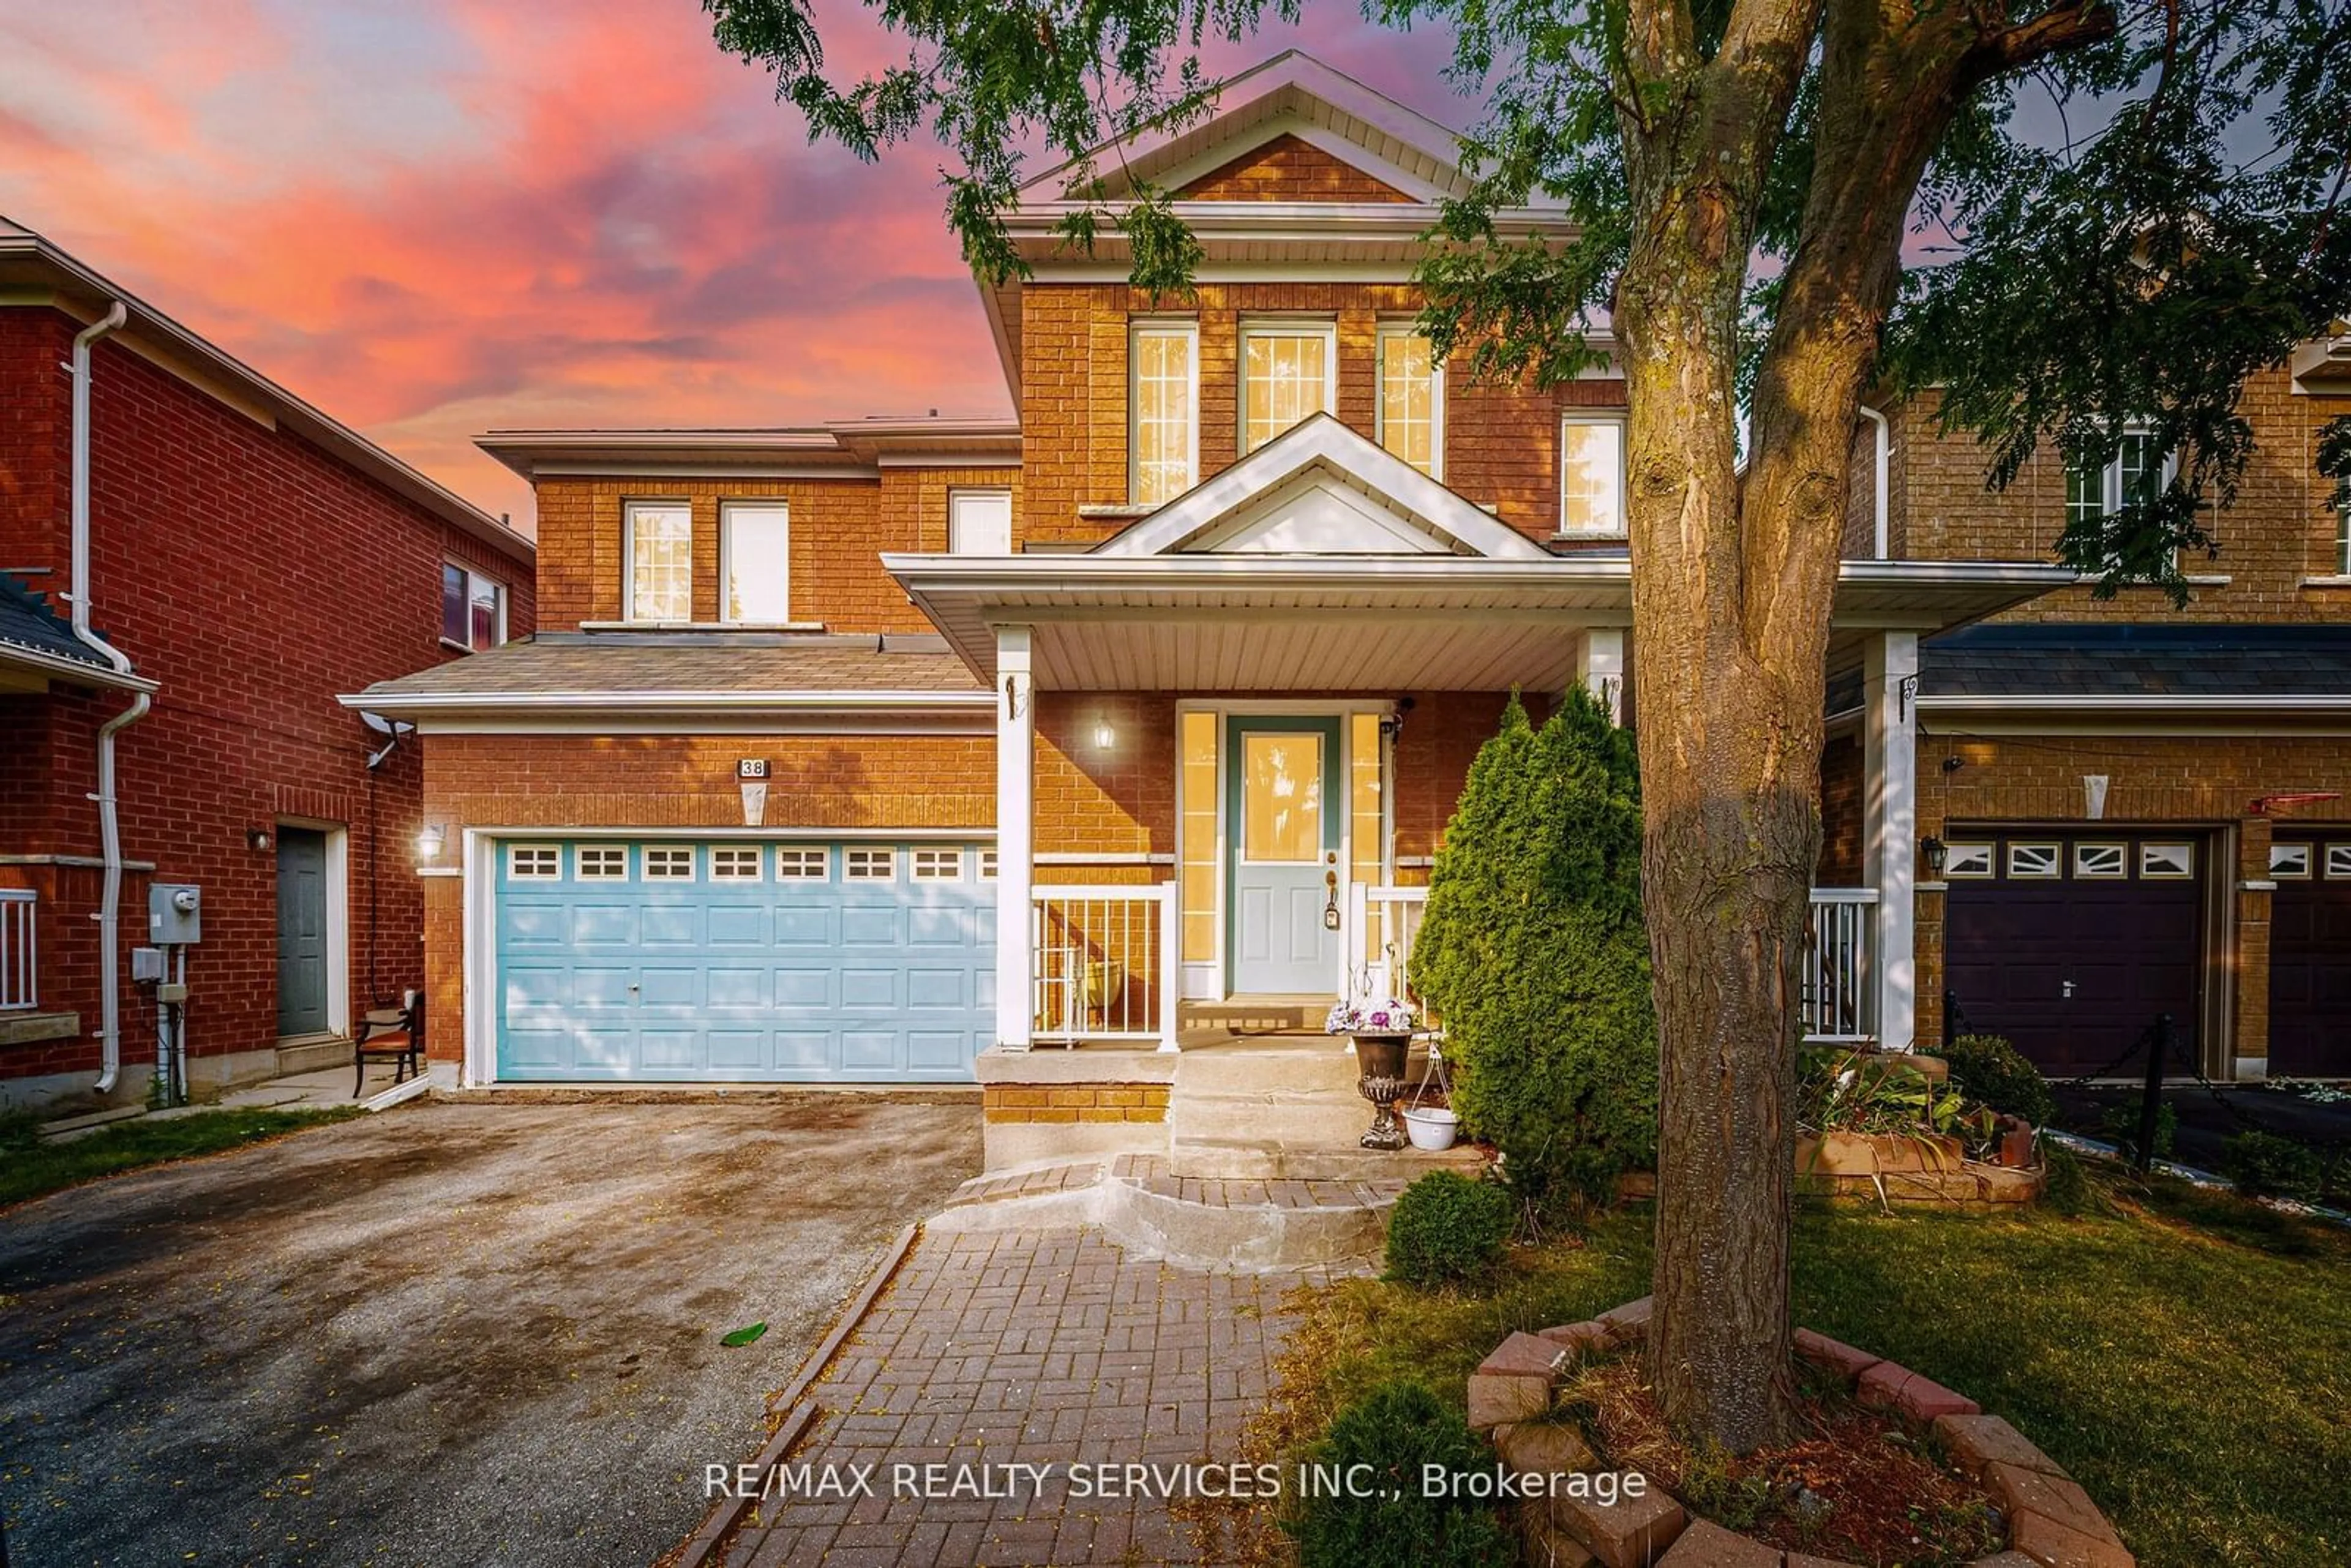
[886,750]
[2136,810]
[249,558]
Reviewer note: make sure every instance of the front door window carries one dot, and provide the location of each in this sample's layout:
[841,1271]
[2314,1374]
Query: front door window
[1286,875]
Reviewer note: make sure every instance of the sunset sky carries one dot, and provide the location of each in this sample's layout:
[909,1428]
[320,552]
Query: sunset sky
[435,217]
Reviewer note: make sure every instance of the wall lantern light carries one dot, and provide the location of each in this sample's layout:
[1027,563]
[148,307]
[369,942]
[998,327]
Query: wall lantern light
[1104,735]
[1933,850]
[429,843]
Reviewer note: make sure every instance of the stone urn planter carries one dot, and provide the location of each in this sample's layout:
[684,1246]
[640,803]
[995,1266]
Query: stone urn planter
[1379,1078]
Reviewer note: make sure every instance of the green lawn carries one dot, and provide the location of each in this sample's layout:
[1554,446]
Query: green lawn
[28,1168]
[2190,1363]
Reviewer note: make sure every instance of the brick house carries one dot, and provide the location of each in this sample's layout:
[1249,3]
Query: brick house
[2135,810]
[247,559]
[889,750]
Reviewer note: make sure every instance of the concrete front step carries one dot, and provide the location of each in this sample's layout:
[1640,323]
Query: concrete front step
[1214,1160]
[1277,1067]
[1304,1121]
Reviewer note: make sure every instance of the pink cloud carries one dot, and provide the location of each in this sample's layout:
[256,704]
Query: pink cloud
[430,219]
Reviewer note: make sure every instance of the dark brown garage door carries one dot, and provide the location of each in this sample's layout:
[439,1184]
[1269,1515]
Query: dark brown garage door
[2310,955]
[2070,942]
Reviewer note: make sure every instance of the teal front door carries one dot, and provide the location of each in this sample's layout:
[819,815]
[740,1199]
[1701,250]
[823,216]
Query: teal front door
[1282,815]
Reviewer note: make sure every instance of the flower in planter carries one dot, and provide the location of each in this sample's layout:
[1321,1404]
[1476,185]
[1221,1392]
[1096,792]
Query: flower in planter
[1387,1015]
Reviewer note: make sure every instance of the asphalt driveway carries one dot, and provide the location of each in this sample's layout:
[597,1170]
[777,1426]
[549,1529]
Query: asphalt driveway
[479,1334]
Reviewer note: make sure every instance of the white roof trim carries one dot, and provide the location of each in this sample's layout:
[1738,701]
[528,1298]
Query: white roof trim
[1287,123]
[1322,440]
[1145,151]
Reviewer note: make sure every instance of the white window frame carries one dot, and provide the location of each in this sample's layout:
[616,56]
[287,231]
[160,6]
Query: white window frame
[630,512]
[473,575]
[799,862]
[727,863]
[988,863]
[2055,863]
[934,863]
[518,872]
[1968,861]
[1323,327]
[1567,421]
[580,853]
[1137,329]
[664,856]
[1389,332]
[2291,862]
[2101,859]
[858,861]
[2343,539]
[958,494]
[2151,868]
[2110,477]
[727,511]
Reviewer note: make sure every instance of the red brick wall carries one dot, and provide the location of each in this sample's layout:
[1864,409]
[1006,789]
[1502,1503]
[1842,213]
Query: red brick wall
[1502,444]
[256,579]
[1841,810]
[1287,169]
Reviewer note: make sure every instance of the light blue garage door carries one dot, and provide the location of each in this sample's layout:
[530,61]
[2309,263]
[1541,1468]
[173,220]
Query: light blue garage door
[668,960]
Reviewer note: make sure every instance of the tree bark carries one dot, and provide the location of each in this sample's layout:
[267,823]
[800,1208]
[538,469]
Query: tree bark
[1733,583]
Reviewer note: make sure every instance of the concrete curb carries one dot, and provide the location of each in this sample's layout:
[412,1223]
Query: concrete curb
[699,1547]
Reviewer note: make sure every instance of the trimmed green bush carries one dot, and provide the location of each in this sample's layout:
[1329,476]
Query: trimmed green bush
[1395,1430]
[2266,1165]
[1445,1227]
[1534,956]
[1995,1072]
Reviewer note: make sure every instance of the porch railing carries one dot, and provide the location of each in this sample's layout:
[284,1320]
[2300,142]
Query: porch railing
[18,954]
[1839,1001]
[1104,965]
[1390,919]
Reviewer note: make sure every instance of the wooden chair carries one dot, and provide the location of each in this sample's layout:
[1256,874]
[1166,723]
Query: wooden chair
[396,1032]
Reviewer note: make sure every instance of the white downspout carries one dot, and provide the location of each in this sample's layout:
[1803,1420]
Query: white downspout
[1884,458]
[109,828]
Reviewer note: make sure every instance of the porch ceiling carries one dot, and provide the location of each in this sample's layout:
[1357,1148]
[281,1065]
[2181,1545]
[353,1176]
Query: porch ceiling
[1268,624]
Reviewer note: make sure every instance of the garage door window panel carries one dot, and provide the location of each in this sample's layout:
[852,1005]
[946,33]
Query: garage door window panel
[2095,861]
[2035,862]
[2338,863]
[799,863]
[1966,862]
[2167,862]
[669,863]
[938,866]
[735,865]
[600,863]
[534,862]
[872,865]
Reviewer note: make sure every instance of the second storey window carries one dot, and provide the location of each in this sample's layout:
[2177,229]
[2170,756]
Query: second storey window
[979,522]
[753,552]
[1164,448]
[660,561]
[1591,477]
[1412,414]
[473,608]
[1288,371]
[2132,477]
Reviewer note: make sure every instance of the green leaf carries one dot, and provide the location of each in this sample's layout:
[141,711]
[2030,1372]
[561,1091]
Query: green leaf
[744,1336]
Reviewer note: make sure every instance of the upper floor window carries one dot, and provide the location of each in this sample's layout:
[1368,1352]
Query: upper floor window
[979,522]
[1412,403]
[473,608]
[2133,476]
[755,558]
[1591,475]
[1163,447]
[1289,370]
[660,548]
[2343,539]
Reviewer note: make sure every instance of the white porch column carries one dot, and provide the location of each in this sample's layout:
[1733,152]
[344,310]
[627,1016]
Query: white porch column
[1600,666]
[1016,736]
[1890,824]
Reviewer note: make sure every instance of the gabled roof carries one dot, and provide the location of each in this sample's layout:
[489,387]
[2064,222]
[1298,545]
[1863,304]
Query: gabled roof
[32,266]
[1321,489]
[1291,94]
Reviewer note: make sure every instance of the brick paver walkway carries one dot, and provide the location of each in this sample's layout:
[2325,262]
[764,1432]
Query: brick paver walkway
[1046,1347]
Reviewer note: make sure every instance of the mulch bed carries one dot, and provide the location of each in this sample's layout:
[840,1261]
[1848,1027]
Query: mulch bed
[1862,1488]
